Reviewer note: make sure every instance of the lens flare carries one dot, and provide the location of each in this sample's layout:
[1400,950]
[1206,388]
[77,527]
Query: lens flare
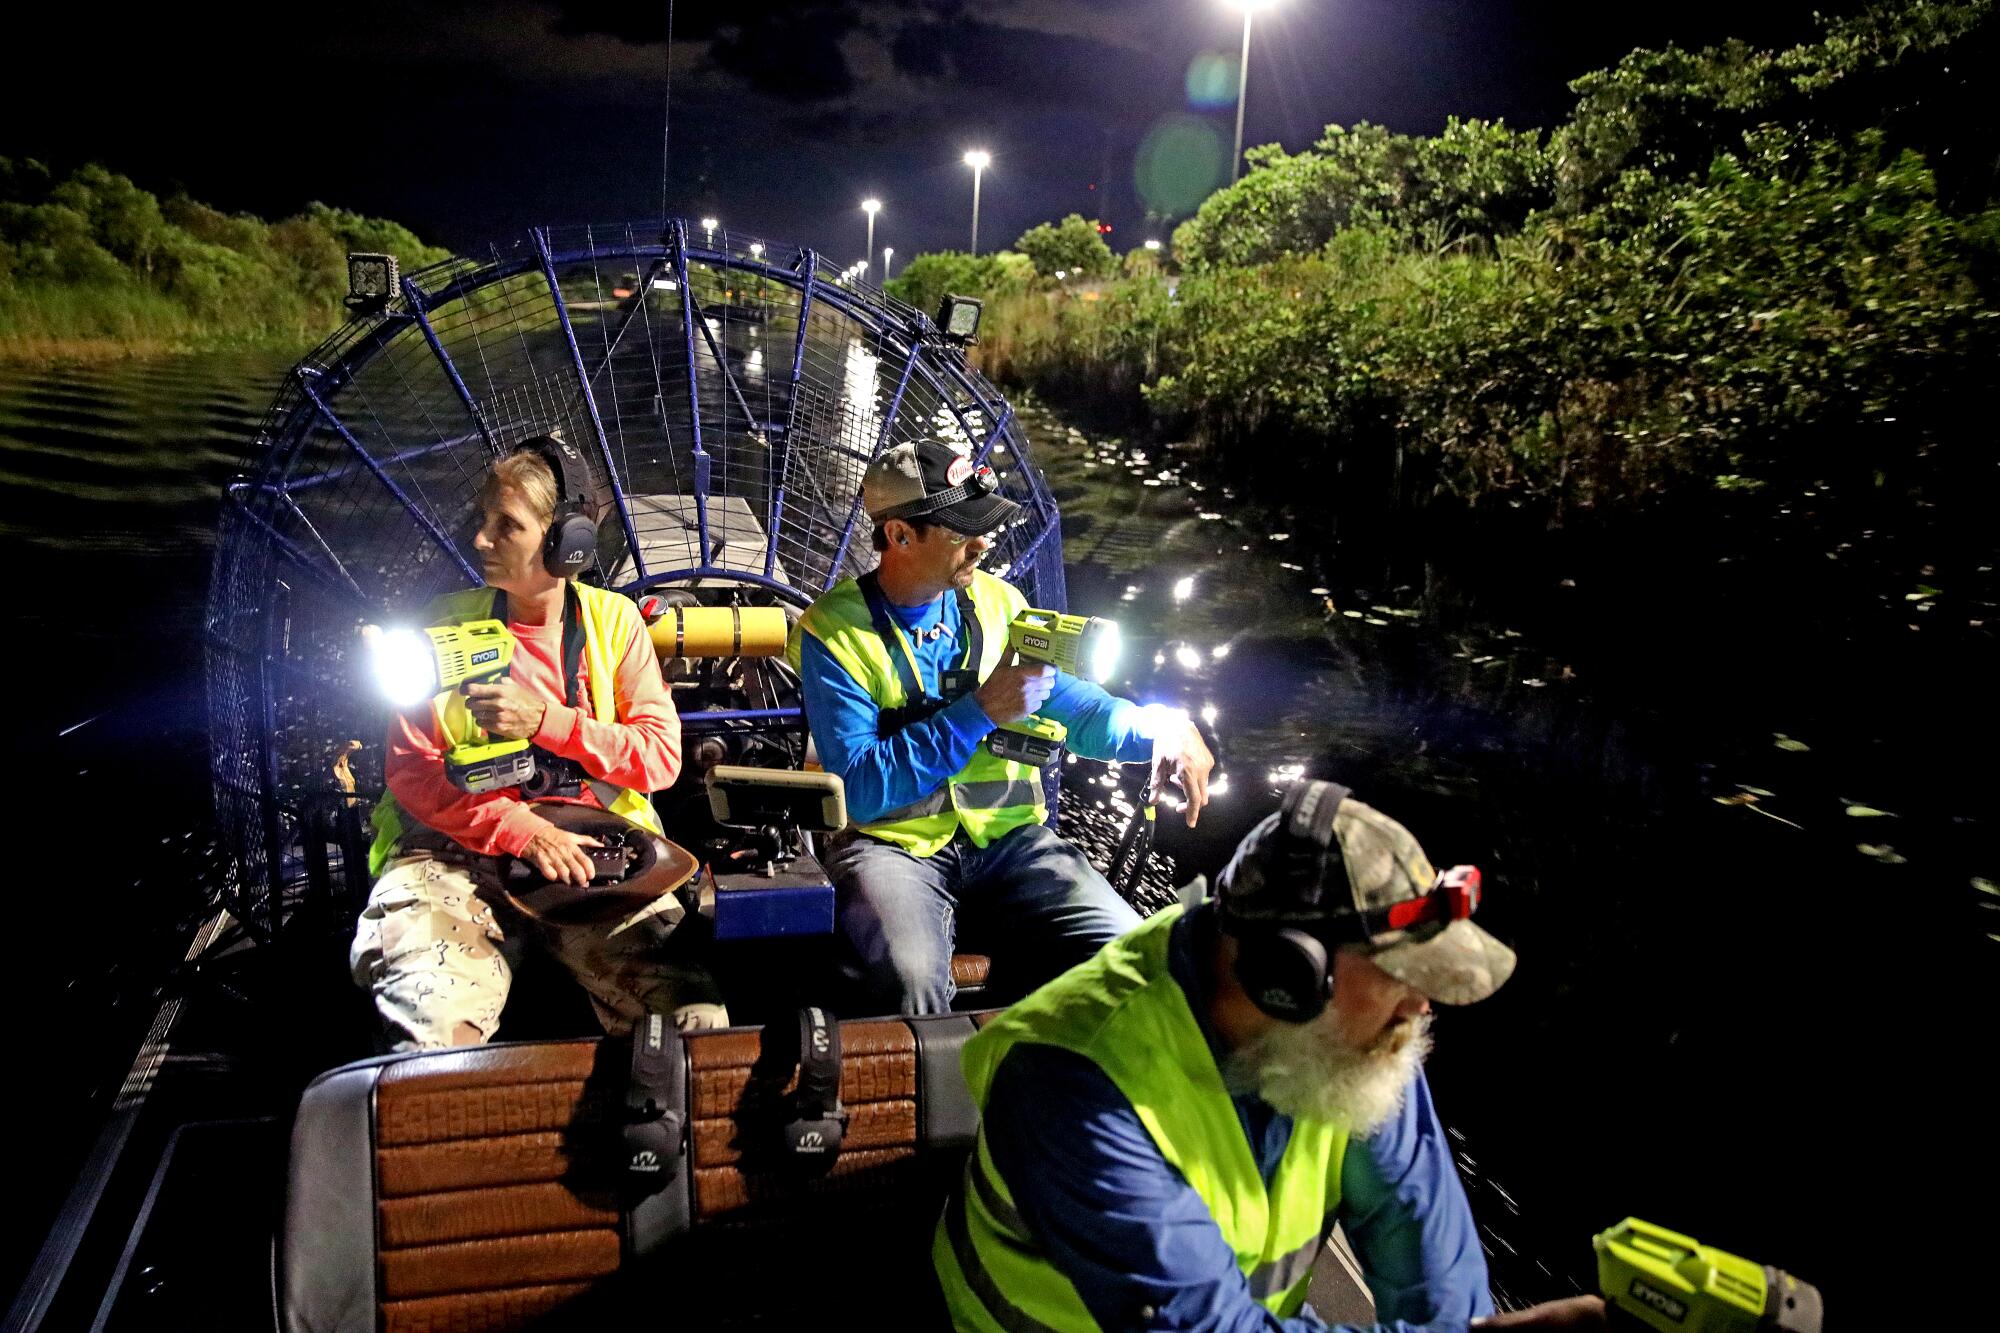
[404,665]
[1182,160]
[1211,81]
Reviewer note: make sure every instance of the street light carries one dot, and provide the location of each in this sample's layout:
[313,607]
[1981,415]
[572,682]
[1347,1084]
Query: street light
[709,225]
[1249,8]
[888,253]
[871,207]
[756,249]
[1152,243]
[978,159]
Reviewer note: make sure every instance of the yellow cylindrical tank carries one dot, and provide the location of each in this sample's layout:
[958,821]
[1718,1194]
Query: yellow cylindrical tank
[720,631]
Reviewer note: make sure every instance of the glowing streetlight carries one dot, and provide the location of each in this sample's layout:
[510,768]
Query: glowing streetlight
[708,225]
[978,159]
[756,249]
[1152,243]
[1249,8]
[888,253]
[871,207]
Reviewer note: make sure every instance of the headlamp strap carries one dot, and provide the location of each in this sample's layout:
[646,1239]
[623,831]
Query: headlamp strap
[981,482]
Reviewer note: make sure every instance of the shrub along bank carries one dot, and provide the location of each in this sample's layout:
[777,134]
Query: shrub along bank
[1729,269]
[90,264]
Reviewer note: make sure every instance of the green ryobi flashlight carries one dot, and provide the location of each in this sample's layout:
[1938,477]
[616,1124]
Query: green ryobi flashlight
[1654,1278]
[414,665]
[1085,646]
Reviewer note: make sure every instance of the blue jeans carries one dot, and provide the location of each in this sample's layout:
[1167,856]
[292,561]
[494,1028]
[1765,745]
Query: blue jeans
[1030,891]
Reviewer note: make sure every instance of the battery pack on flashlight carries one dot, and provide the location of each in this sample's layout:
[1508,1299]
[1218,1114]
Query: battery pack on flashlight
[1033,740]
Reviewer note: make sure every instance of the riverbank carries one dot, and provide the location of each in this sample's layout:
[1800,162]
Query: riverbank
[24,352]
[95,269]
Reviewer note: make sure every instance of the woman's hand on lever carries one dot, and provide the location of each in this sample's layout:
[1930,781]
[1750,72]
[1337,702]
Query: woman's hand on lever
[559,856]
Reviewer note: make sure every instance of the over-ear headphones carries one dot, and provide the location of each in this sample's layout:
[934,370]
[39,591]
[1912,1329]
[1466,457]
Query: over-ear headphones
[571,544]
[802,1130]
[1284,967]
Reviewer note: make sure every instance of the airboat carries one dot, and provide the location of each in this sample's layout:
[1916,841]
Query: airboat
[262,1166]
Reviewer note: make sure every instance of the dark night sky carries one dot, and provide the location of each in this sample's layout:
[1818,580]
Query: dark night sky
[469,121]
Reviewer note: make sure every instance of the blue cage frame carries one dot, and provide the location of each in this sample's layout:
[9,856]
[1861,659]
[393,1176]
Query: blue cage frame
[723,462]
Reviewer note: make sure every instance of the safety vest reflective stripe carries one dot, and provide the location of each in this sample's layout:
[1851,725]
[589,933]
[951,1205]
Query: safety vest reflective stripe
[603,612]
[1125,1013]
[998,795]
[1288,1270]
[989,797]
[1003,1211]
[922,807]
[996,1305]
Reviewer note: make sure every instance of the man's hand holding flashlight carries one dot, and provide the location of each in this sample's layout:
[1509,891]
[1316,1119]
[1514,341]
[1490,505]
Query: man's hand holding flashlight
[1015,690]
[559,856]
[505,710]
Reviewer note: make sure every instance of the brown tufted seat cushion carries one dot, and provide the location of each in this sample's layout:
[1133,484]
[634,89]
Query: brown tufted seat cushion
[494,1172]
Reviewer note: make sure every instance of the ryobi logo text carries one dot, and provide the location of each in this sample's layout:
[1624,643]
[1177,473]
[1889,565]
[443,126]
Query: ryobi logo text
[1035,641]
[1659,1300]
[483,656]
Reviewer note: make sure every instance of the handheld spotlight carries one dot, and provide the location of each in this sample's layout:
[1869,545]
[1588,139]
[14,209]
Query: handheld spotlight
[1085,646]
[1653,1278]
[414,665]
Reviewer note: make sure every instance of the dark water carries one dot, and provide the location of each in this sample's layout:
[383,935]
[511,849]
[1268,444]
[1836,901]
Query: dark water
[1746,887]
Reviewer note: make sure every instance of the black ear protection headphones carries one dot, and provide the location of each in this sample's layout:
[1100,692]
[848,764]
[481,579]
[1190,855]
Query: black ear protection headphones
[1297,906]
[800,1131]
[1286,970]
[571,544]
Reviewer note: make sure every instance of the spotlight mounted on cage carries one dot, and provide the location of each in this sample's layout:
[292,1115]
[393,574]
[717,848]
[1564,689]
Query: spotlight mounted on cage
[371,282]
[958,320]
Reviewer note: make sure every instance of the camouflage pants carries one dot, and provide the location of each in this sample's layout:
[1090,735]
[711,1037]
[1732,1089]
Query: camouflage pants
[429,947]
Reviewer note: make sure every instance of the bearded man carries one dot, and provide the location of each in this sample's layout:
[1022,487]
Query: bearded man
[1170,1130]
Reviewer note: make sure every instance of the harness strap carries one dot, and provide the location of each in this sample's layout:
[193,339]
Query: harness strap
[900,650]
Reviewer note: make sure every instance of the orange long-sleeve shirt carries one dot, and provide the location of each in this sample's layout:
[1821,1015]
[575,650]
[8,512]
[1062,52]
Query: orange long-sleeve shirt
[641,750]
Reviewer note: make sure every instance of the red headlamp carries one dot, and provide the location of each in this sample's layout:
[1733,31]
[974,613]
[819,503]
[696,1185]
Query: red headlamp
[1454,897]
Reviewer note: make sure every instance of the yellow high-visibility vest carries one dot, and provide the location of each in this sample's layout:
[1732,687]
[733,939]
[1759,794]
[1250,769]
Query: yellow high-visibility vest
[990,797]
[1125,1013]
[609,622]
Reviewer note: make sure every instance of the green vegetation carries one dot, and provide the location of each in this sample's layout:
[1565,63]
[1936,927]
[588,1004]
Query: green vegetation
[1729,270]
[93,265]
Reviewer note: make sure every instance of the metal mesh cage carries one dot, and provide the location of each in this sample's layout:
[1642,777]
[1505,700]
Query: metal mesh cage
[728,394]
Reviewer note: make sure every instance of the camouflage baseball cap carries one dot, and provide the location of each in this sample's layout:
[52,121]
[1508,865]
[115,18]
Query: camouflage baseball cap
[1288,876]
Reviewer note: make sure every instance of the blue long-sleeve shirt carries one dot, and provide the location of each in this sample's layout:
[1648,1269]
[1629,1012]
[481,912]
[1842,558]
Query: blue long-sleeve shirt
[1129,1231]
[884,774]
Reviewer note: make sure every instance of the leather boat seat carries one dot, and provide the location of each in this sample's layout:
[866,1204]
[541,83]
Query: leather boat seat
[968,975]
[478,1189]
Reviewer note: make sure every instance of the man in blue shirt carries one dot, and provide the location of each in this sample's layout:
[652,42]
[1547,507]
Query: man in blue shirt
[1300,999]
[904,681]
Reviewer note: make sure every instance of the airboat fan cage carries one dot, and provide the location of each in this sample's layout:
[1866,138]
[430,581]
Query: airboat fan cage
[727,395]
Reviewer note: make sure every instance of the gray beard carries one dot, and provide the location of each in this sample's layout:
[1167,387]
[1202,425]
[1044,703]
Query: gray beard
[1307,1072]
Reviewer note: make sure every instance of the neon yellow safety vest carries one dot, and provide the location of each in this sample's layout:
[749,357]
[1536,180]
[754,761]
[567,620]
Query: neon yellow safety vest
[1124,1012]
[990,797]
[609,622]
